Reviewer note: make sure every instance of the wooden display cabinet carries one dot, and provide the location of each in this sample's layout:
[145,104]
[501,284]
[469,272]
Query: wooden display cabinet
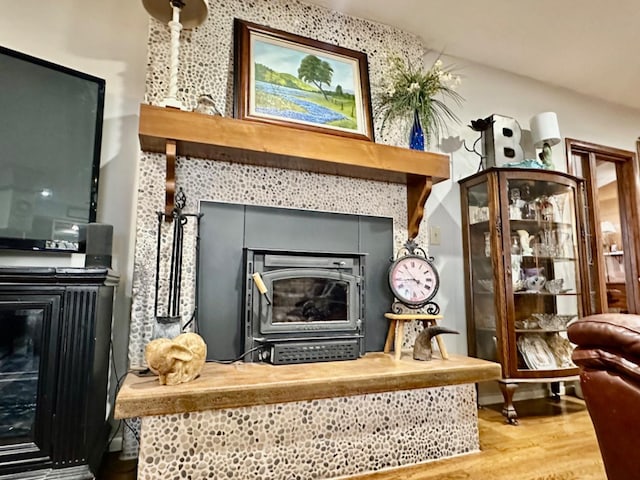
[523,247]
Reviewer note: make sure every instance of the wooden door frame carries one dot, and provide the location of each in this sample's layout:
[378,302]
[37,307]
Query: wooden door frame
[628,178]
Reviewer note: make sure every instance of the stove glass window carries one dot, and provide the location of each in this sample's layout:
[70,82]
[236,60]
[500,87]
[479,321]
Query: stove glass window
[309,299]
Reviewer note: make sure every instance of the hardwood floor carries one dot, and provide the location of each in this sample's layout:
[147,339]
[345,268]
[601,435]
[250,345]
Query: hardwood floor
[554,441]
[114,469]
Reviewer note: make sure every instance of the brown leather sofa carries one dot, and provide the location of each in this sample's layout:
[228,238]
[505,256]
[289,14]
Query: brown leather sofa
[608,355]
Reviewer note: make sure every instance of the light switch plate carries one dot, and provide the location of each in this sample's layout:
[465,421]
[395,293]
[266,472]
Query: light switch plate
[434,235]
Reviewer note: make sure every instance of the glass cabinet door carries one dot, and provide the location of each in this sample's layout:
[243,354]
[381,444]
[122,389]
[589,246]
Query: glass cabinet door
[542,284]
[482,274]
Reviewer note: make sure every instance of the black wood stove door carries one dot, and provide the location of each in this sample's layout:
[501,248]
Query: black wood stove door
[29,326]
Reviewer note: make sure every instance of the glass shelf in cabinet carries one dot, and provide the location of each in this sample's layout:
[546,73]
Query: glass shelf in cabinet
[536,222]
[524,368]
[545,258]
[548,294]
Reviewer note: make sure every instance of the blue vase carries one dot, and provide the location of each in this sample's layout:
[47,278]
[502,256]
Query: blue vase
[416,137]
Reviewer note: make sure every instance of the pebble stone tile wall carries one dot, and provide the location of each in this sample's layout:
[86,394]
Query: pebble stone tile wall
[206,66]
[317,439]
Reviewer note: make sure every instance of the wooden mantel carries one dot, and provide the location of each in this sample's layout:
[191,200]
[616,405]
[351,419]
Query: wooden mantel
[247,384]
[174,132]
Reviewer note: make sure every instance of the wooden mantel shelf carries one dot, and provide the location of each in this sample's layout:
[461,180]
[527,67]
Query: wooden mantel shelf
[175,132]
[247,384]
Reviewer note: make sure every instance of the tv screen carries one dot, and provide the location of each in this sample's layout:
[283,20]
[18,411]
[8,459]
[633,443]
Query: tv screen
[50,134]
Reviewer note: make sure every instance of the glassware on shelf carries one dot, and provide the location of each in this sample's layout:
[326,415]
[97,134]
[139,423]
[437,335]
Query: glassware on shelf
[561,321]
[554,286]
[530,210]
[514,195]
[564,243]
[552,321]
[526,324]
[487,244]
[548,244]
[518,285]
[559,204]
[525,239]
[546,208]
[515,209]
[545,320]
[515,246]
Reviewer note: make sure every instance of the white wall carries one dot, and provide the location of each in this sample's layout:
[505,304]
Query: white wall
[108,40]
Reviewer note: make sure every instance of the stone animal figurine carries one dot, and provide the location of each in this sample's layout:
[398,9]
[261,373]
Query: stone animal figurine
[422,349]
[176,361]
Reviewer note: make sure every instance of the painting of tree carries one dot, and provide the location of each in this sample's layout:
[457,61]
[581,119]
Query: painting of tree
[292,79]
[316,71]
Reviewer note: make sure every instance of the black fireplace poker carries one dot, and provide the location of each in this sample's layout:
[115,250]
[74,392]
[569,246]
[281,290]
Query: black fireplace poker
[169,324]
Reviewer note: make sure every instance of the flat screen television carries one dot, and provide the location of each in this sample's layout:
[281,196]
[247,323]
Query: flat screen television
[50,135]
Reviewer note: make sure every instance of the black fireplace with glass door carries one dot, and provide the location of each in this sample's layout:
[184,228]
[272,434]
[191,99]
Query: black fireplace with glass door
[54,355]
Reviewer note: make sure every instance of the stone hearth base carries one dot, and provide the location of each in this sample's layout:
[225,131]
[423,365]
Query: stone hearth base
[314,439]
[308,421]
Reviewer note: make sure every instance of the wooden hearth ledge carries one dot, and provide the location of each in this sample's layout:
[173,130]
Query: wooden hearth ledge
[247,384]
[174,132]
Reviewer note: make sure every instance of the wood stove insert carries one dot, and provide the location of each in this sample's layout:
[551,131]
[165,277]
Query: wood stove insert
[310,308]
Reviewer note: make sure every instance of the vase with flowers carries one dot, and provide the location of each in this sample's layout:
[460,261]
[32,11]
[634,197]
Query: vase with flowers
[414,95]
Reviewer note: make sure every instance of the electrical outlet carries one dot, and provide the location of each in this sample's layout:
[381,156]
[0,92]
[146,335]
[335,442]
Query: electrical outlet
[434,235]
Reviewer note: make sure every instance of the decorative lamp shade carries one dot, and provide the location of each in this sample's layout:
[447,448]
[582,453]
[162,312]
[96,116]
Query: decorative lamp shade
[192,13]
[544,129]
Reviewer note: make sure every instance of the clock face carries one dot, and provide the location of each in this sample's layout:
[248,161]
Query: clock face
[413,280]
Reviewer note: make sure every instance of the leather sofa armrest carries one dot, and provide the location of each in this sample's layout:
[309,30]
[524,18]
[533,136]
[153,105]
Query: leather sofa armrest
[607,342]
[608,331]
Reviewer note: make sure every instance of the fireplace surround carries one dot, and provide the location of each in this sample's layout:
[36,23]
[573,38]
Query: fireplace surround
[238,240]
[276,172]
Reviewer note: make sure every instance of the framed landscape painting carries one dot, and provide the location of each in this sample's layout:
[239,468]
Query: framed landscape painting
[288,80]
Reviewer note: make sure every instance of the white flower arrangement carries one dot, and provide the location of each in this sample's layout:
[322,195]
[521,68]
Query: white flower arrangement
[409,91]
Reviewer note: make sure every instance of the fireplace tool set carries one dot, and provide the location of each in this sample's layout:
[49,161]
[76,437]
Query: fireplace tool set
[169,325]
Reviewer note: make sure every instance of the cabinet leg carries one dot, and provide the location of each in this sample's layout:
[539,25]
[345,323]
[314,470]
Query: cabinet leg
[508,410]
[555,391]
